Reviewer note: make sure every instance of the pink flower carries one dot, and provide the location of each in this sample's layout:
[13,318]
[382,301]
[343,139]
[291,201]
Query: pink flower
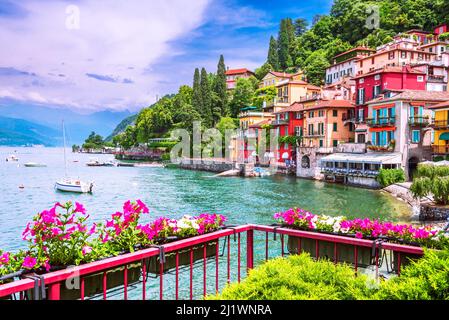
[47,266]
[93,229]
[4,258]
[359,235]
[86,250]
[79,208]
[55,231]
[142,206]
[29,262]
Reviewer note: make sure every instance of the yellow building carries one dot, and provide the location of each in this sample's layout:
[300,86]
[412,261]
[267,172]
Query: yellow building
[250,116]
[440,125]
[272,78]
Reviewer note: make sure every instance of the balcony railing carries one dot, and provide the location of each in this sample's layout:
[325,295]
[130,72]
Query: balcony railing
[440,124]
[419,121]
[439,79]
[441,150]
[280,122]
[188,269]
[313,134]
[381,121]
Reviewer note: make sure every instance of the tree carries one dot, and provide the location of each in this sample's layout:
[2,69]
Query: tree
[220,88]
[263,70]
[94,141]
[197,100]
[273,57]
[285,59]
[243,96]
[315,67]
[301,25]
[206,107]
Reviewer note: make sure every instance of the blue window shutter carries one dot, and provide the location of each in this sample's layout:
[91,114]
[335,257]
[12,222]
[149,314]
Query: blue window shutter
[421,111]
[393,112]
[412,112]
[373,138]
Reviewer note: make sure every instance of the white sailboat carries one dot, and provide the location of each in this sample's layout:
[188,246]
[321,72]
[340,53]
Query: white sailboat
[68,184]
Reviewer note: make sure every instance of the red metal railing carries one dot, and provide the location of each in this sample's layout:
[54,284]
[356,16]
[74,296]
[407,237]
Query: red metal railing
[203,276]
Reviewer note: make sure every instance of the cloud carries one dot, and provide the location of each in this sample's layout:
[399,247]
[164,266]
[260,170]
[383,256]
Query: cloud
[99,64]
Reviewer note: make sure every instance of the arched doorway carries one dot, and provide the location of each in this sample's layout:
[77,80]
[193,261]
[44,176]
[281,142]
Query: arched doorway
[412,166]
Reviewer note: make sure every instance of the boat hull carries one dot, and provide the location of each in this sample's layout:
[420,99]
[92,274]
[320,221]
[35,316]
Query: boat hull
[66,187]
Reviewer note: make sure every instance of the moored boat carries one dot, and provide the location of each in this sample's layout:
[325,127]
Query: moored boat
[12,158]
[35,165]
[74,185]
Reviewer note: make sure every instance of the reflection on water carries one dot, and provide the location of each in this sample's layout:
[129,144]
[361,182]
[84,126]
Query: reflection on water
[171,193]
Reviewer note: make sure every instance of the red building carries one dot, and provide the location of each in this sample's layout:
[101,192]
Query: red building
[373,84]
[233,74]
[288,122]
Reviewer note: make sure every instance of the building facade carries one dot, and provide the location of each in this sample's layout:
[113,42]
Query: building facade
[232,75]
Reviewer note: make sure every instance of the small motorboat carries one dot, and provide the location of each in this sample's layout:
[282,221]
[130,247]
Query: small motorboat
[74,185]
[35,165]
[94,163]
[12,158]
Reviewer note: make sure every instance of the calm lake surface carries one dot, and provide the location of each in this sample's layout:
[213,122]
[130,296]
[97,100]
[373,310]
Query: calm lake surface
[170,192]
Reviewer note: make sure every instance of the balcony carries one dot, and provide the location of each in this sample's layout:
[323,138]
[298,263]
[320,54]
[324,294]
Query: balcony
[440,150]
[314,134]
[436,79]
[440,124]
[381,122]
[419,121]
[280,122]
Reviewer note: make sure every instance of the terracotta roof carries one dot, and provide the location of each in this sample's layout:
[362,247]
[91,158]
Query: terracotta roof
[282,74]
[261,123]
[416,95]
[331,104]
[389,69]
[355,49]
[293,108]
[441,105]
[237,71]
[313,87]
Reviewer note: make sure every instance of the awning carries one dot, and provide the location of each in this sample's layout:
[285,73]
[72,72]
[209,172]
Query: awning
[373,158]
[444,136]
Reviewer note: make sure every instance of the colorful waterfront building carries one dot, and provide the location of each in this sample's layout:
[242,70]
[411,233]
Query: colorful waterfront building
[382,82]
[232,75]
[440,124]
[400,123]
[289,122]
[344,64]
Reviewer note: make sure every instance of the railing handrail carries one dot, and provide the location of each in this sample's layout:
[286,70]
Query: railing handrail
[54,279]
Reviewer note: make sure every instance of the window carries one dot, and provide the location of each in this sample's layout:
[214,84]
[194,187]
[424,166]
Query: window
[362,80]
[335,127]
[376,91]
[416,136]
[391,55]
[430,49]
[298,115]
[321,113]
[321,143]
[361,96]
[443,49]
[403,54]
[311,133]
[335,143]
[298,131]
[361,138]
[286,131]
[321,128]
[420,78]
[377,77]
[311,114]
[361,115]
[335,113]
[372,60]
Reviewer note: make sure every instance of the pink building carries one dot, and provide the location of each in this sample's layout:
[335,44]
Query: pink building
[233,74]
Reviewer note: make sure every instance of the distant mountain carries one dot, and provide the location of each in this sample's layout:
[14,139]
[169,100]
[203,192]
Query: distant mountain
[78,125]
[17,132]
[122,126]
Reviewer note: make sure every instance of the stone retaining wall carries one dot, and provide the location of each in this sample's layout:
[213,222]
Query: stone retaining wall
[205,165]
[433,213]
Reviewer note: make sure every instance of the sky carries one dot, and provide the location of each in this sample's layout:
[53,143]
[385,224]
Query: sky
[95,55]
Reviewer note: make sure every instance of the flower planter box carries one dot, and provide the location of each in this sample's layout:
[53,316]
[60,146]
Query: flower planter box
[183,258]
[6,297]
[345,252]
[93,284]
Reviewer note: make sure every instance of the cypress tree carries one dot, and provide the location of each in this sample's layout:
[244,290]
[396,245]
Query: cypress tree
[206,99]
[285,60]
[273,57]
[220,88]
[197,100]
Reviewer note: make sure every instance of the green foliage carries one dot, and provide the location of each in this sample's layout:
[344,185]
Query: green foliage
[243,96]
[206,106]
[444,36]
[291,140]
[299,278]
[94,141]
[284,42]
[220,90]
[300,26]
[266,94]
[273,56]
[263,70]
[387,177]
[432,180]
[425,279]
[315,67]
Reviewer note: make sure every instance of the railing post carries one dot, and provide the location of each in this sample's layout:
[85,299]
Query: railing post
[249,250]
[54,291]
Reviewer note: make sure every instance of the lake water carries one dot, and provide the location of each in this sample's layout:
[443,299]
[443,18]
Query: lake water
[171,192]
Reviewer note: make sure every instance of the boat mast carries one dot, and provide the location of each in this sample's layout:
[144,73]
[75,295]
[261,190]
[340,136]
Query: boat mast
[65,157]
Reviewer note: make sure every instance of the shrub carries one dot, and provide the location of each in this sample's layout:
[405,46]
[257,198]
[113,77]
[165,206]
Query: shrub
[425,279]
[300,278]
[387,177]
[432,180]
[438,158]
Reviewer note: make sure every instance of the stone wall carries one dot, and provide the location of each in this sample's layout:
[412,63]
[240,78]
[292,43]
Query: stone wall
[206,165]
[433,213]
[311,168]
